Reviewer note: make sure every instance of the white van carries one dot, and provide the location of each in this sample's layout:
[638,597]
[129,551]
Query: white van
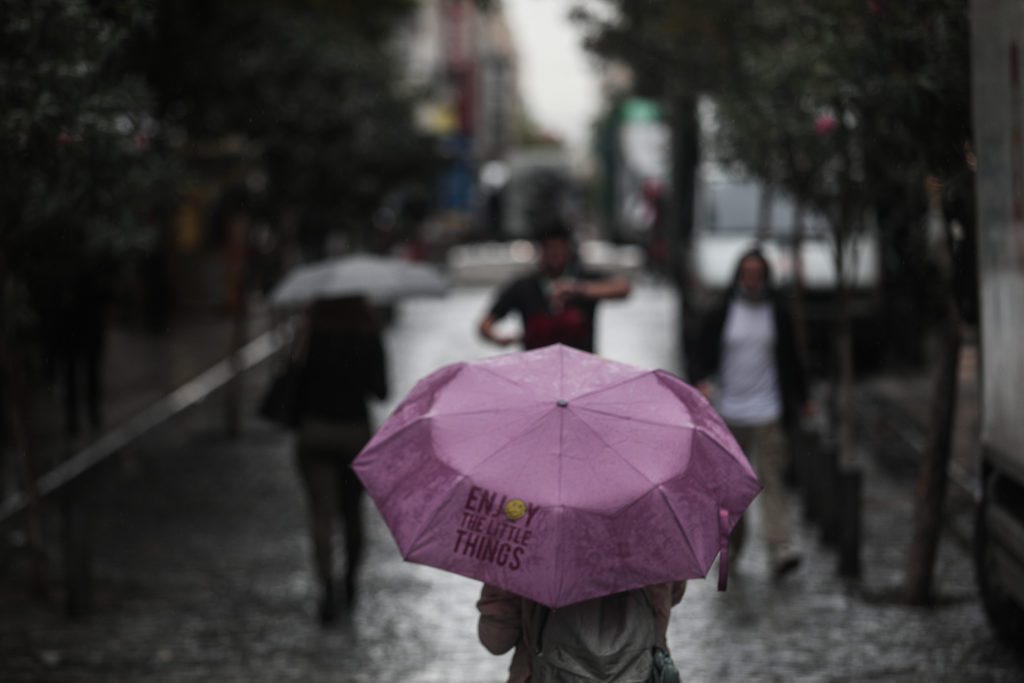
[997,28]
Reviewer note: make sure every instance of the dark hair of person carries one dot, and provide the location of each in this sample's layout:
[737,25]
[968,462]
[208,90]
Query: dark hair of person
[754,253]
[554,229]
[344,314]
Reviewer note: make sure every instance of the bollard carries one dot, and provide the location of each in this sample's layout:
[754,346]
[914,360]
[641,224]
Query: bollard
[817,497]
[851,482]
[808,447]
[828,494]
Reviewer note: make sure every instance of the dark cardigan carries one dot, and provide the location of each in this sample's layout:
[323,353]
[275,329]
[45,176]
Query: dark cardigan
[707,355]
[341,370]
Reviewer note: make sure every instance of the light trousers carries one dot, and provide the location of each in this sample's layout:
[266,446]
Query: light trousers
[767,448]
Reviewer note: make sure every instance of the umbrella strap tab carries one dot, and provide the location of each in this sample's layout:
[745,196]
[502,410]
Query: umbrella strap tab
[723,541]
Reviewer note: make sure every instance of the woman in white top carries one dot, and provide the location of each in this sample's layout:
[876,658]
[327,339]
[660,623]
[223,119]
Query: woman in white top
[748,365]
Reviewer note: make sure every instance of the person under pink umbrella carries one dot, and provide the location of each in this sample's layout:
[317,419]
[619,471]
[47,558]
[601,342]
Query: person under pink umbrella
[581,492]
[343,364]
[510,621]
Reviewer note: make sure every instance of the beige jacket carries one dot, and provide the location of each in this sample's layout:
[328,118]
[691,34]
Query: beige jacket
[505,619]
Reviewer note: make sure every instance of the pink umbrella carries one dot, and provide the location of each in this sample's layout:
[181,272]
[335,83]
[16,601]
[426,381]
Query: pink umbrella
[558,475]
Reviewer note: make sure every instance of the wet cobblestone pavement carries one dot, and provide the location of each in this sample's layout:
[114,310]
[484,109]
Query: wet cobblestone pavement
[203,573]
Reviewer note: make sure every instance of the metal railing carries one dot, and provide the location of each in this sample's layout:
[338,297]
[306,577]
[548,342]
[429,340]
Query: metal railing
[163,410]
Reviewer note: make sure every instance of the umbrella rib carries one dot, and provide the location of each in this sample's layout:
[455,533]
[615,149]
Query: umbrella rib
[714,439]
[417,542]
[608,387]
[560,554]
[481,411]
[505,445]
[511,381]
[400,430]
[725,451]
[561,424]
[656,423]
[682,529]
[640,438]
[614,450]
[672,383]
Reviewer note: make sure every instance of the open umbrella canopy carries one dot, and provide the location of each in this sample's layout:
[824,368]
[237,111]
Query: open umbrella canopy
[379,278]
[558,475]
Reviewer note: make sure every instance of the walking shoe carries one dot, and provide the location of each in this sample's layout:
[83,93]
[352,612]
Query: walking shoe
[350,590]
[328,608]
[785,564]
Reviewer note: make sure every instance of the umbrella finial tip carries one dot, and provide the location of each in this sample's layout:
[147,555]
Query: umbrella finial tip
[562,403]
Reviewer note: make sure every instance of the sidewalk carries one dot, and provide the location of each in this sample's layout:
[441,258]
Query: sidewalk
[140,372]
[139,368]
[203,571]
[893,416]
[203,575]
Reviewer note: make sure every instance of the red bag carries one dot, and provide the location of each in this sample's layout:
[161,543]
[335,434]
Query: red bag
[568,326]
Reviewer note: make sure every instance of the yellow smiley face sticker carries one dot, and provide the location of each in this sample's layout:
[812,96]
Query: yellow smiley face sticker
[515,509]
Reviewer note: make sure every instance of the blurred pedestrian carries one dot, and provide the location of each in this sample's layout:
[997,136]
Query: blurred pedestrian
[74,309]
[343,364]
[607,637]
[83,347]
[557,303]
[748,365]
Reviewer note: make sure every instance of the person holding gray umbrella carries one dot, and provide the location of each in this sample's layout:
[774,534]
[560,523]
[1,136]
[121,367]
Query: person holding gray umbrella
[343,364]
[338,363]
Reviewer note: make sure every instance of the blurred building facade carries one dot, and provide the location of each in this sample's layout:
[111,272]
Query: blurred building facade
[462,57]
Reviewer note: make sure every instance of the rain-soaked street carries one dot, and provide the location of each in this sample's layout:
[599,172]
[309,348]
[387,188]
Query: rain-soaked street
[203,574]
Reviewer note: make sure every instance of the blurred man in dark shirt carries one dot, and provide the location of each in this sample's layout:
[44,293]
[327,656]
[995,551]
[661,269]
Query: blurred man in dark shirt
[557,302]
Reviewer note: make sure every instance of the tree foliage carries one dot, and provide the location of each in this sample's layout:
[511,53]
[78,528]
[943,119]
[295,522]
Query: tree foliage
[865,82]
[313,85]
[668,45]
[75,134]
[802,85]
[107,103]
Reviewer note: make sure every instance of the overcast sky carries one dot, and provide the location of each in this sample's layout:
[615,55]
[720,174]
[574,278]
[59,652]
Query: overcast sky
[558,82]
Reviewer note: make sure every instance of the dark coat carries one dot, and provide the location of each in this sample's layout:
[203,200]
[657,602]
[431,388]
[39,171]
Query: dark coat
[707,355]
[342,369]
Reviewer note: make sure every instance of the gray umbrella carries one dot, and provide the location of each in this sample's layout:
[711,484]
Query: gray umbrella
[379,278]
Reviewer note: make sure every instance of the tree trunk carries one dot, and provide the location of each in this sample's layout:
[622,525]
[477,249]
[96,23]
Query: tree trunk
[799,314]
[18,400]
[848,482]
[844,345]
[844,359]
[685,158]
[932,478]
[844,375]
[18,397]
[843,233]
